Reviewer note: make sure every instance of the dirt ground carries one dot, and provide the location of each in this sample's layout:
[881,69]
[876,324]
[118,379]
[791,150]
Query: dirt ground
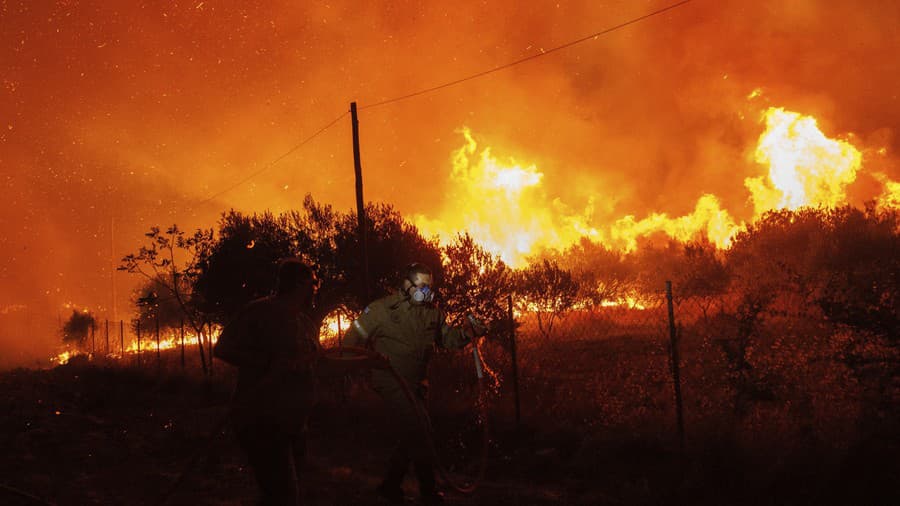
[81,434]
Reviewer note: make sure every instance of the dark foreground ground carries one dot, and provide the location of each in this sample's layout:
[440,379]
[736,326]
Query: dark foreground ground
[81,434]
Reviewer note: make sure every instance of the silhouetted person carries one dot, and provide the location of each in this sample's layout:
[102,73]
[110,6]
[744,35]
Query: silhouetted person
[274,344]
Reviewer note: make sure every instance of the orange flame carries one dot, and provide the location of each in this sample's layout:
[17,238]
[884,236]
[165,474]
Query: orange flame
[805,167]
[502,204]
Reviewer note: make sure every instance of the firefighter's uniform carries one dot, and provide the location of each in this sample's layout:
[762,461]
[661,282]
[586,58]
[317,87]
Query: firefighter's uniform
[407,334]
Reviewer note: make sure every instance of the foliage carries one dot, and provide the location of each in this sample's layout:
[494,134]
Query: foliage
[154,299]
[476,282]
[77,327]
[548,290]
[844,261]
[157,262]
[604,275]
[240,265]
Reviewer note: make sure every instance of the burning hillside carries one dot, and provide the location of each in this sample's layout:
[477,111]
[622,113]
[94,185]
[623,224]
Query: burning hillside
[504,204]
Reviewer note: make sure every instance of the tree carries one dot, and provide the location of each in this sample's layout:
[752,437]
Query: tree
[547,290]
[477,282]
[603,275]
[154,299]
[240,265]
[156,261]
[859,265]
[77,328]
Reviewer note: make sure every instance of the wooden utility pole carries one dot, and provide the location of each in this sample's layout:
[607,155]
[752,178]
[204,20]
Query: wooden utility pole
[360,204]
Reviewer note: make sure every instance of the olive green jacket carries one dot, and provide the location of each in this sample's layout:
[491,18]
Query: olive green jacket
[405,333]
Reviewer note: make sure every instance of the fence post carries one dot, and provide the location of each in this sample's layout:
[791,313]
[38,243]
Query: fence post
[210,344]
[158,355]
[182,344]
[138,342]
[676,368]
[515,360]
[93,326]
[122,336]
[107,336]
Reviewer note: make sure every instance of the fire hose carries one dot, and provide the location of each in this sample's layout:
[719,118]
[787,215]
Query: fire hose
[422,413]
[365,354]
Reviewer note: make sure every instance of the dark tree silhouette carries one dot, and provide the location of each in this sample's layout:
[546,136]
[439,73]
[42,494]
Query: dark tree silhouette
[547,290]
[240,265]
[603,275]
[77,328]
[158,262]
[153,299]
[476,282]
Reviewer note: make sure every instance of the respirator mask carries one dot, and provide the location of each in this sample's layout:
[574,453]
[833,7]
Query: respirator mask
[420,290]
[421,295]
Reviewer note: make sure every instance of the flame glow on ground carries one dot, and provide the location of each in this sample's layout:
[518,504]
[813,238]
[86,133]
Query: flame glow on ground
[167,341]
[503,206]
[332,327]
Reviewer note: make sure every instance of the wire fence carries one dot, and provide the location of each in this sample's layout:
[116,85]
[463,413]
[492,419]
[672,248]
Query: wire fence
[675,366]
[685,367]
[137,343]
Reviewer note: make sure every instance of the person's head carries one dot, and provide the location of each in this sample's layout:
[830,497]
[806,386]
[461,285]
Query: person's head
[296,279]
[416,283]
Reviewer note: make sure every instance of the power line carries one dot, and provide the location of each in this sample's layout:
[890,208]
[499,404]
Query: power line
[527,58]
[445,85]
[275,161]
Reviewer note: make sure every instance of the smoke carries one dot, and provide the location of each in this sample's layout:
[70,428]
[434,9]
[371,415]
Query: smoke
[120,115]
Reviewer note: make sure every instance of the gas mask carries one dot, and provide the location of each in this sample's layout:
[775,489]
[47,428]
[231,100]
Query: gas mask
[420,291]
[421,295]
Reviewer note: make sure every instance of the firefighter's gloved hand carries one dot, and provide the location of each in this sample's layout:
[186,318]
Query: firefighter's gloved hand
[473,327]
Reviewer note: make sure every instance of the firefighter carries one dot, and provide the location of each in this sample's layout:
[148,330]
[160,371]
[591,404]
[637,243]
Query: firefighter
[274,344]
[406,327]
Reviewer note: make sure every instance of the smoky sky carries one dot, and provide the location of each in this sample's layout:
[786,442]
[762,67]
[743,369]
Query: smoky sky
[122,115]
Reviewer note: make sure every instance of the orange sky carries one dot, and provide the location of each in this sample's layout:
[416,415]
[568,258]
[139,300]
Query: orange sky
[137,111]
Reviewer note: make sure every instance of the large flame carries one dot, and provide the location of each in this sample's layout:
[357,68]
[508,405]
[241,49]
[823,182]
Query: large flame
[504,206]
[805,167]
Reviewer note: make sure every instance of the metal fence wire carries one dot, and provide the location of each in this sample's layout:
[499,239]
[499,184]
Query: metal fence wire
[666,364]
